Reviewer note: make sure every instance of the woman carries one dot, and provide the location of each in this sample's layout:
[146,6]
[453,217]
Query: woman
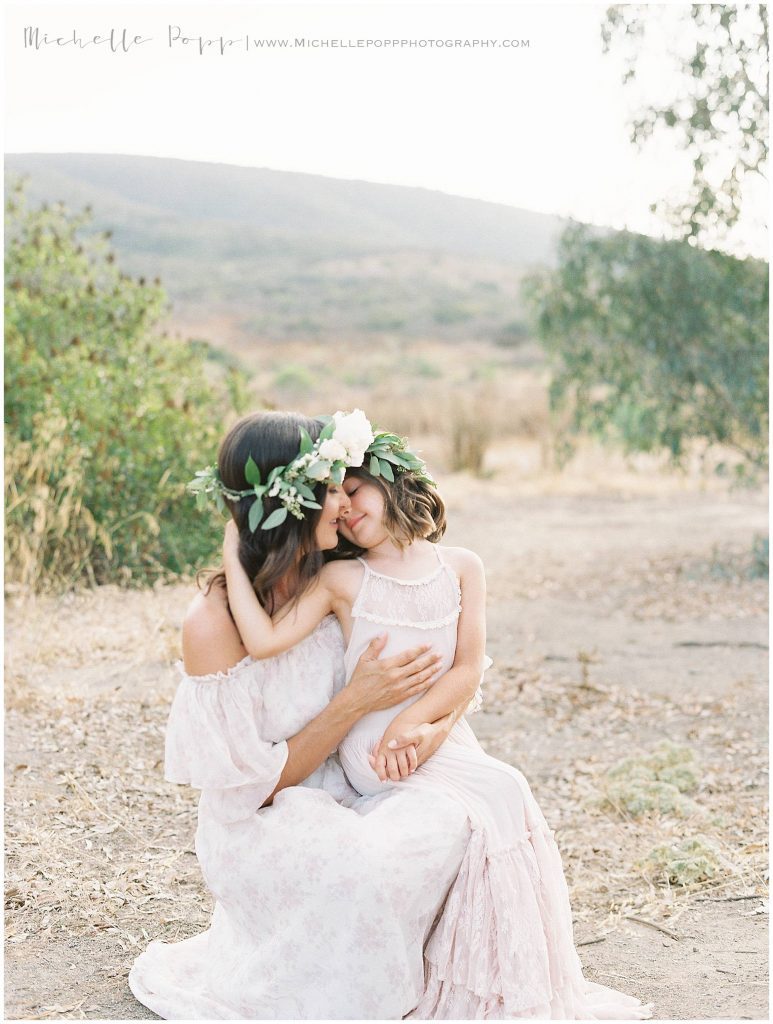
[503,948]
[323,900]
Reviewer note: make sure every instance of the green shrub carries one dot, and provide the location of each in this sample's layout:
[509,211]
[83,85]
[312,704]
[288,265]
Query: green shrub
[683,863]
[450,313]
[295,378]
[760,557]
[383,322]
[106,418]
[512,334]
[653,784]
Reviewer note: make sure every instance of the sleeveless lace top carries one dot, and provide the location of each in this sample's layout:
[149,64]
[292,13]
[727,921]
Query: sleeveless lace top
[430,603]
[410,612]
[427,603]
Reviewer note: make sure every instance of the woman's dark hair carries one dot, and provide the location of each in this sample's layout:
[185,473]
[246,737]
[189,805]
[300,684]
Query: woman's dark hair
[413,510]
[272,439]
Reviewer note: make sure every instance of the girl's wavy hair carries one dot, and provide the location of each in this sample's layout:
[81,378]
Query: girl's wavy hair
[413,510]
[272,439]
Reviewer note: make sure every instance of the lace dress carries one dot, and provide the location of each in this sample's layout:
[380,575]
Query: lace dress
[323,900]
[503,947]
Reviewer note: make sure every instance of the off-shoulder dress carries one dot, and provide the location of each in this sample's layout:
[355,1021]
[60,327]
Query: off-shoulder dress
[323,900]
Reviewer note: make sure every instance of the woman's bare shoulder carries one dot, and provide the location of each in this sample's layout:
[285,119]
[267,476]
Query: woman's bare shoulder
[211,641]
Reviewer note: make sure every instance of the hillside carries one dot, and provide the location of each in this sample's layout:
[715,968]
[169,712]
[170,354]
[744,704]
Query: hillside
[265,255]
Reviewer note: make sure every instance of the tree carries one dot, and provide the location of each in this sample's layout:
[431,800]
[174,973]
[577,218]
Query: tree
[106,417]
[720,115]
[657,343]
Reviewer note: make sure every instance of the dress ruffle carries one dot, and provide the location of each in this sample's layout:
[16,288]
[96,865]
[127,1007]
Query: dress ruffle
[225,734]
[503,948]
[215,737]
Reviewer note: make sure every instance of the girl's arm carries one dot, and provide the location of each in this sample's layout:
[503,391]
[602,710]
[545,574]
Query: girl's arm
[397,757]
[262,637]
[458,685]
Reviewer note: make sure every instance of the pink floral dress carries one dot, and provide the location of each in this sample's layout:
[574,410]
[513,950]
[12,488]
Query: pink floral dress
[503,947]
[438,897]
[323,901]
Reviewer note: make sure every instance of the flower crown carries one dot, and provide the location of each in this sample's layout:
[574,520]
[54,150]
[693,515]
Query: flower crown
[344,441]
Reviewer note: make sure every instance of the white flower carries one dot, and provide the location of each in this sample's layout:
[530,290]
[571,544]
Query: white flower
[354,432]
[333,450]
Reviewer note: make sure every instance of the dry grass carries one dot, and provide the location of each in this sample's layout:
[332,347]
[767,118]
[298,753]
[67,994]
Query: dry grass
[459,397]
[97,843]
[50,534]
[605,848]
[100,850]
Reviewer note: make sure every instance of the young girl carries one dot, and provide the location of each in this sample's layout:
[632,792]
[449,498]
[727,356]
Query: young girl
[408,590]
[503,946]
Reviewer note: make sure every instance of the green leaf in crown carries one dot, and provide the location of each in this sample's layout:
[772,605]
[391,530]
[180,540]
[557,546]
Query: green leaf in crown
[348,439]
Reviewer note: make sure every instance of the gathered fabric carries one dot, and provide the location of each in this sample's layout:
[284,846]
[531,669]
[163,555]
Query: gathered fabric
[503,946]
[324,900]
[441,896]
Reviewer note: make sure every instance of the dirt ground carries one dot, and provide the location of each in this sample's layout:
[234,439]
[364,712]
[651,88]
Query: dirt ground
[619,615]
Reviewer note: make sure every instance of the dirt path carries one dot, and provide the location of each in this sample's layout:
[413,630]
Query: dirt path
[614,623]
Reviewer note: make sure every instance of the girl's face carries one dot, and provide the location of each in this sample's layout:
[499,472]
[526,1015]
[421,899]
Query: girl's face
[335,505]
[364,526]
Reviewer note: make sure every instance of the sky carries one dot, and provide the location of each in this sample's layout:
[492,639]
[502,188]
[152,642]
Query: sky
[542,126]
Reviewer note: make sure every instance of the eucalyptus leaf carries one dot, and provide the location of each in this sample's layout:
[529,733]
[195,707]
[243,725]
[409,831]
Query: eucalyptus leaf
[256,514]
[251,471]
[374,466]
[307,444]
[391,457]
[303,490]
[276,518]
[386,470]
[318,470]
[327,431]
[337,474]
[309,504]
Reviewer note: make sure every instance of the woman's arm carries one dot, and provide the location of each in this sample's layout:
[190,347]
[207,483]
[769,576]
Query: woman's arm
[211,644]
[262,637]
[375,684]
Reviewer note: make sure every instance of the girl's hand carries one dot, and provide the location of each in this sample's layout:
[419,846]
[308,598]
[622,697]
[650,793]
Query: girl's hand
[403,747]
[394,764]
[231,540]
[379,683]
[402,736]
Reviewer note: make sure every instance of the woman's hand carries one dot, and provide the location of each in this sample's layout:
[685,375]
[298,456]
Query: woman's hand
[405,746]
[379,683]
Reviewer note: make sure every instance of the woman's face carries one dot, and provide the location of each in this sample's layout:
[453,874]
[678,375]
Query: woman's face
[364,526]
[335,505]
